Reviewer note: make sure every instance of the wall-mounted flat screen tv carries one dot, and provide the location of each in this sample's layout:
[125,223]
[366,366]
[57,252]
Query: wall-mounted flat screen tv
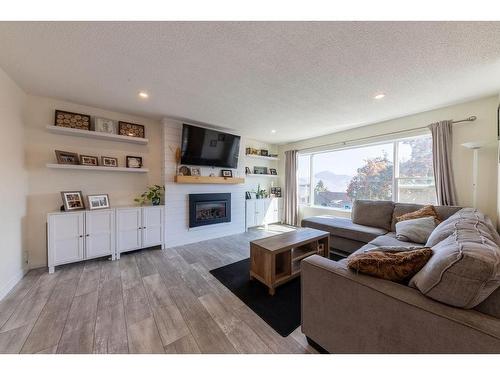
[201,146]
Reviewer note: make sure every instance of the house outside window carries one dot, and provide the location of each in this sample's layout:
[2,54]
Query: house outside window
[399,170]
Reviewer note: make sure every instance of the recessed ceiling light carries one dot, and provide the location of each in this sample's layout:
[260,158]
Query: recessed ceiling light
[143,94]
[379,96]
[273,131]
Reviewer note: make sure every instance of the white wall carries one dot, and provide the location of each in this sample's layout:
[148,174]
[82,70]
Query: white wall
[176,202]
[484,129]
[13,185]
[46,184]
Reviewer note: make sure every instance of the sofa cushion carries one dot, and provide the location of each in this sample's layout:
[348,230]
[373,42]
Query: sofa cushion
[390,263]
[444,212]
[425,211]
[415,230]
[390,239]
[465,267]
[376,214]
[343,227]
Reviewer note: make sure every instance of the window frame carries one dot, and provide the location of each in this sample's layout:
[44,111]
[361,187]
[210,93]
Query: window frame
[395,178]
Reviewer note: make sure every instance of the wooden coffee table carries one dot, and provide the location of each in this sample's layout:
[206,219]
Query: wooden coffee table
[276,260]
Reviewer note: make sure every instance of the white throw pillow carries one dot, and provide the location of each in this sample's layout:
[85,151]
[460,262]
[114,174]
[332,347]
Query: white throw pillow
[415,230]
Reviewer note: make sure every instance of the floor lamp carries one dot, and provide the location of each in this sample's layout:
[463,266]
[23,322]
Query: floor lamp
[474,146]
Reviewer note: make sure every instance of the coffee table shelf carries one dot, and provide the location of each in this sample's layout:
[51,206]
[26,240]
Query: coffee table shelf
[276,260]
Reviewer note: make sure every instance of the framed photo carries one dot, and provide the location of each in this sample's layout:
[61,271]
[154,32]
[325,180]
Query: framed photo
[273,171]
[248,195]
[66,157]
[108,161]
[263,153]
[72,200]
[195,171]
[251,151]
[260,170]
[184,171]
[276,191]
[89,160]
[104,125]
[213,143]
[248,170]
[72,120]
[226,173]
[131,130]
[98,202]
[134,162]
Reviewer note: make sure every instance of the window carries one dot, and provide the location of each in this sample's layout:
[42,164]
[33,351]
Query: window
[398,170]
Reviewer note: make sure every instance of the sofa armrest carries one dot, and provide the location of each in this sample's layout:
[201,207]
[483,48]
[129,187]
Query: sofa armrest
[345,312]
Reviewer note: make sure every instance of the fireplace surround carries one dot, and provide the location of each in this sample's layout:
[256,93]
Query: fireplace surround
[207,209]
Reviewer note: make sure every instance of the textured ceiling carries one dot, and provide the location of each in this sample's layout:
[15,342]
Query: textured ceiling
[302,79]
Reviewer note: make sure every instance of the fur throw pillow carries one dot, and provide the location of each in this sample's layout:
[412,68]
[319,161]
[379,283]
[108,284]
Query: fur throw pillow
[425,211]
[390,263]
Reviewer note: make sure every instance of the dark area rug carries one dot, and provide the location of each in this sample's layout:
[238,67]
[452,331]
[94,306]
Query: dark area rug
[281,311]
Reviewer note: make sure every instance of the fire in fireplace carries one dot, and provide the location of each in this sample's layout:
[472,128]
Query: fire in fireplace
[206,209]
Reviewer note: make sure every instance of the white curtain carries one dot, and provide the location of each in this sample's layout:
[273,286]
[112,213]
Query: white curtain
[291,203]
[442,142]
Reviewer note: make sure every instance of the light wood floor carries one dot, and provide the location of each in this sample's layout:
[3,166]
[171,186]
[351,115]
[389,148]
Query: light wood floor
[150,301]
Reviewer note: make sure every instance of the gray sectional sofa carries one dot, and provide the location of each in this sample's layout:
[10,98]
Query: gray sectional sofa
[451,306]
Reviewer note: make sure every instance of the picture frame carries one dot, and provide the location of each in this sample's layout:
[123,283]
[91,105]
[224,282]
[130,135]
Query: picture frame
[184,171]
[213,143]
[71,120]
[251,151]
[260,170]
[273,171]
[98,201]
[89,160]
[72,200]
[104,125]
[195,171]
[134,161]
[67,157]
[131,130]
[264,153]
[276,191]
[248,170]
[108,161]
[226,173]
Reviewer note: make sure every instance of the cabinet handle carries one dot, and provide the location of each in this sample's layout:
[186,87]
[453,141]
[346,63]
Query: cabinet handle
[143,227]
[87,235]
[81,235]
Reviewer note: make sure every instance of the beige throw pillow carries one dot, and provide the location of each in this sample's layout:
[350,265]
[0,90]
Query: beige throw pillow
[425,211]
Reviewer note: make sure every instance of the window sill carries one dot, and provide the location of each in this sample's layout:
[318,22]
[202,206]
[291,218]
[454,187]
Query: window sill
[327,208]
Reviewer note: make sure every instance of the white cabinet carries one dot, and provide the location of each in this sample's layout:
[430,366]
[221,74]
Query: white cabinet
[263,211]
[139,227]
[76,236]
[66,242]
[128,229]
[152,226]
[99,233]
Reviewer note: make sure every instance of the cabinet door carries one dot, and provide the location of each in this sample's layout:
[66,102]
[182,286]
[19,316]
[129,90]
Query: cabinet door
[99,233]
[250,213]
[274,211]
[152,226]
[260,211]
[65,238]
[128,229]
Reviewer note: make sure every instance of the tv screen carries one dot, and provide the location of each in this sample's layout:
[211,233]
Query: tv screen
[202,146]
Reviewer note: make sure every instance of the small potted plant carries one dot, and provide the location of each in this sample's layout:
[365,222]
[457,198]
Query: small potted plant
[153,194]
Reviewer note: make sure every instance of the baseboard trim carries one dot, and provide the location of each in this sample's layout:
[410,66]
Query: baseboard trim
[11,283]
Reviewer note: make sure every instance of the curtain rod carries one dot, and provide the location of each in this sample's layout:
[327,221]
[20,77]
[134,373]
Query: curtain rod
[468,119]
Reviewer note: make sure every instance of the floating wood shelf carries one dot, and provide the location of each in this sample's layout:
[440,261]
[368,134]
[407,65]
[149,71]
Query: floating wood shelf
[262,157]
[262,175]
[96,135]
[98,168]
[208,180]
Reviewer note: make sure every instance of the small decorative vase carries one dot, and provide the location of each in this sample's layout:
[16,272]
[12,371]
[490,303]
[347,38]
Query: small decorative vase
[155,201]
